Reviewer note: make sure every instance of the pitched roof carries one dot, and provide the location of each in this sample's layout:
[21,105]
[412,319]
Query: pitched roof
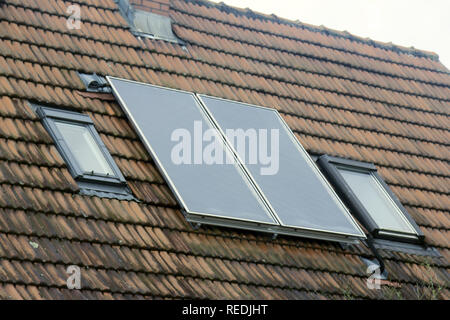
[342,95]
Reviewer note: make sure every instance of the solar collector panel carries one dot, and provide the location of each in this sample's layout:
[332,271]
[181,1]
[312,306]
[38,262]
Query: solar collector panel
[297,191]
[223,191]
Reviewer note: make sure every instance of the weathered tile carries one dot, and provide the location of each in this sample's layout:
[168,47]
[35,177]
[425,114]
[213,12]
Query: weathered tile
[342,95]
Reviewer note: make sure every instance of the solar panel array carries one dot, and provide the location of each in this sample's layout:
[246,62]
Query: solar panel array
[278,190]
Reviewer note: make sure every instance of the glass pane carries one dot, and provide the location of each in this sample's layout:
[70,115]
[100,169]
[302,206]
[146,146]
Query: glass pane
[167,120]
[376,201]
[84,148]
[287,177]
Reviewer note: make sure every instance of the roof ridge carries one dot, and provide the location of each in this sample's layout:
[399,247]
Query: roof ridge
[321,29]
[311,42]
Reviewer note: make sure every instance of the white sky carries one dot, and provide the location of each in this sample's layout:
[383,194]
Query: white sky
[423,24]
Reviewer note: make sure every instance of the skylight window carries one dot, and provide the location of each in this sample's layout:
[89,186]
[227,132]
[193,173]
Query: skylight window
[275,188]
[376,201]
[148,24]
[370,199]
[85,150]
[87,158]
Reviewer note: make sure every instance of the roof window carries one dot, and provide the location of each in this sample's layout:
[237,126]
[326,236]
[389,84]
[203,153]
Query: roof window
[87,158]
[148,24]
[370,199]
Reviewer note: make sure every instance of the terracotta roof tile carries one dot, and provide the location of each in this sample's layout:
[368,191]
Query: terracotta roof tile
[342,95]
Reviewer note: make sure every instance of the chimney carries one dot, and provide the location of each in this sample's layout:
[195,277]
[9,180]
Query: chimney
[160,7]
